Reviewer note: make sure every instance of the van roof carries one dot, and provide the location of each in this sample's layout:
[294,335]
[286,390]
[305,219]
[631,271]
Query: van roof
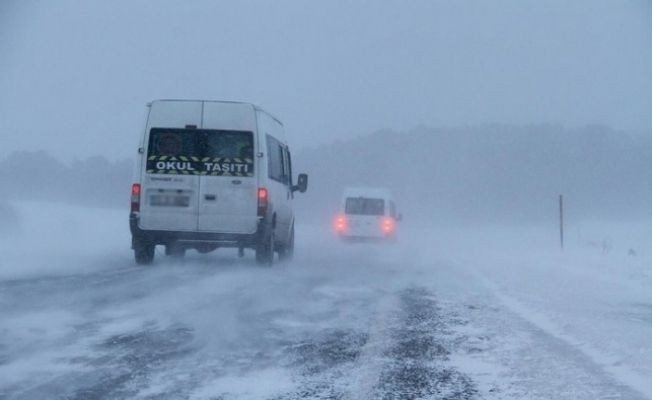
[257,108]
[361,191]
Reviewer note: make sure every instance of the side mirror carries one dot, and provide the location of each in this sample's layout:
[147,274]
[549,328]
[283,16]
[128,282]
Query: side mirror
[399,217]
[302,183]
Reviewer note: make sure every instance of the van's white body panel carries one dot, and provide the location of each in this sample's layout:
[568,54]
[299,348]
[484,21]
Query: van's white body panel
[280,193]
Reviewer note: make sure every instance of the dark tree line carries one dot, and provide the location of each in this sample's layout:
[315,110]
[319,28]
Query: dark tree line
[37,175]
[479,173]
[490,173]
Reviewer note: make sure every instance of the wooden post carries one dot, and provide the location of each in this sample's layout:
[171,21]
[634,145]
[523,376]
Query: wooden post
[561,221]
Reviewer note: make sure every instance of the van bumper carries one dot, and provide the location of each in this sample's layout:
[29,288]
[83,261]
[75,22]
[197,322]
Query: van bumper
[387,238]
[246,240]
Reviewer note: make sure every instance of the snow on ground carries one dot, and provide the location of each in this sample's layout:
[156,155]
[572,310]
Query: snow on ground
[595,296]
[42,238]
[486,313]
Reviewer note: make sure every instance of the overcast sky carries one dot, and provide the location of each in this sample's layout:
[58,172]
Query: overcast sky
[75,75]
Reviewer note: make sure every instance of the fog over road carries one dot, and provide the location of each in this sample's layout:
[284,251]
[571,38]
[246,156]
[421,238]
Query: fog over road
[505,130]
[401,321]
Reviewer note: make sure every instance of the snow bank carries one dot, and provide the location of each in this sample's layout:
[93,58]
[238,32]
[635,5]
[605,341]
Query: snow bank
[595,295]
[55,238]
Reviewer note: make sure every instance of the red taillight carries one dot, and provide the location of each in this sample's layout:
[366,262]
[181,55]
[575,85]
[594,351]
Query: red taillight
[340,223]
[135,197]
[262,201]
[388,225]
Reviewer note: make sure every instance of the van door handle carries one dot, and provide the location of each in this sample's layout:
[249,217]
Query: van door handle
[210,197]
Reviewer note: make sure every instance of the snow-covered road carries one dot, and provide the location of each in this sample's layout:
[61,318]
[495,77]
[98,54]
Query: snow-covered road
[443,314]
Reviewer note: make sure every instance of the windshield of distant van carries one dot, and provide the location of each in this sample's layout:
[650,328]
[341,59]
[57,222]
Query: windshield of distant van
[364,206]
[200,152]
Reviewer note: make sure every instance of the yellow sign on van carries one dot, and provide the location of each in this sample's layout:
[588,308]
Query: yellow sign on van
[180,165]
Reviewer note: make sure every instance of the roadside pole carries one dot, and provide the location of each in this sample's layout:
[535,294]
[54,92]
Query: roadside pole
[561,222]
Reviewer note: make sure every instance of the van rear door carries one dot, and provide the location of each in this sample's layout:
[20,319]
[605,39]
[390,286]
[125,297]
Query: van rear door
[171,181]
[364,216]
[170,184]
[228,183]
[228,187]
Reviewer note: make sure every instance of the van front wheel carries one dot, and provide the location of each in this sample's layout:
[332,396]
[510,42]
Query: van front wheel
[265,250]
[144,253]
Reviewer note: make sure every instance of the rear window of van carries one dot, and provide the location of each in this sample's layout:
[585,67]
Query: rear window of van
[364,206]
[200,152]
[200,143]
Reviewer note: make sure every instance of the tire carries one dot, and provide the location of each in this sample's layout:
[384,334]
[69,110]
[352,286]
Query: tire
[265,251]
[144,253]
[286,252]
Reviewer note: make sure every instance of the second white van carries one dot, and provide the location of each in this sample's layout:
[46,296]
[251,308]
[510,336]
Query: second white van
[367,214]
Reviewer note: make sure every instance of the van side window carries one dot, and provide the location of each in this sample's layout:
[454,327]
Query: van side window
[275,162]
[289,166]
[392,209]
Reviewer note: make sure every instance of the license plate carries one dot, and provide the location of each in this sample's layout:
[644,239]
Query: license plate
[166,200]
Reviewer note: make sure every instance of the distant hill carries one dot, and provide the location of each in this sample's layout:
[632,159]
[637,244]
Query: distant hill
[488,173]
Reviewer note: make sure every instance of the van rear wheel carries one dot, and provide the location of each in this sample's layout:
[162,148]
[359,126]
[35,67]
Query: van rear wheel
[286,252]
[265,250]
[144,253]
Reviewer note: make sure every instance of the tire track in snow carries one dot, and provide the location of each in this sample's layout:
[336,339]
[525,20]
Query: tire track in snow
[370,364]
[402,355]
[418,364]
